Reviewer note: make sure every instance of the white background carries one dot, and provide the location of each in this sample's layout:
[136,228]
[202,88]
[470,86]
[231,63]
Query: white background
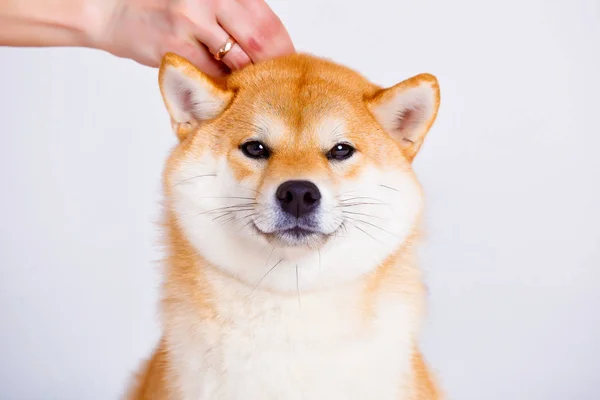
[511,170]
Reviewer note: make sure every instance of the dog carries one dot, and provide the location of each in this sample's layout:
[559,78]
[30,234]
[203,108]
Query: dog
[291,224]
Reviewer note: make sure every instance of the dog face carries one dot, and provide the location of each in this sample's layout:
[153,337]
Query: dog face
[294,174]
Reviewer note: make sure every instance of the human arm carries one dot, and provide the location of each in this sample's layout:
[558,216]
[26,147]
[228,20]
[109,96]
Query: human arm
[43,23]
[144,30]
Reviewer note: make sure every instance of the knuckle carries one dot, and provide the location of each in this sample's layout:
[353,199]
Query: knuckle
[255,45]
[269,24]
[265,31]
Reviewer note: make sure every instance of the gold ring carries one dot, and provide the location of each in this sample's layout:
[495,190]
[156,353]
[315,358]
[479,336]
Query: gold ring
[224,49]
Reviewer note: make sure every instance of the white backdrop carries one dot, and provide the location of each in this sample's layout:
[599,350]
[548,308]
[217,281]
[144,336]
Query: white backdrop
[511,171]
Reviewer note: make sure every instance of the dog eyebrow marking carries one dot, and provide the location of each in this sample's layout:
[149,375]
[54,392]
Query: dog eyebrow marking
[331,131]
[268,127]
[339,136]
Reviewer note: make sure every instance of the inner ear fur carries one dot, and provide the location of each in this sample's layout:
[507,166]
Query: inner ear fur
[190,96]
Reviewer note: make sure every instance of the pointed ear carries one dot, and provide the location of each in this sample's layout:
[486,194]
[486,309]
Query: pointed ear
[407,110]
[191,97]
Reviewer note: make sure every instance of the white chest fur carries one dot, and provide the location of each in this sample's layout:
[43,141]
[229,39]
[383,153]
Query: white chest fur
[315,347]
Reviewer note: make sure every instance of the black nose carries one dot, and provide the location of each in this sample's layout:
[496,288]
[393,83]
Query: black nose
[298,198]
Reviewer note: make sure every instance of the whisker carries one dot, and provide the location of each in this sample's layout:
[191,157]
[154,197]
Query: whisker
[247,188]
[361,197]
[389,187]
[229,212]
[298,287]
[363,214]
[227,197]
[235,217]
[373,225]
[265,275]
[216,210]
[366,233]
[269,257]
[249,222]
[230,219]
[223,214]
[341,221]
[363,204]
[344,228]
[319,252]
[232,206]
[194,177]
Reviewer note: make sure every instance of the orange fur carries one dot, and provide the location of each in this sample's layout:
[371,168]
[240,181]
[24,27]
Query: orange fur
[303,87]
[149,384]
[423,386]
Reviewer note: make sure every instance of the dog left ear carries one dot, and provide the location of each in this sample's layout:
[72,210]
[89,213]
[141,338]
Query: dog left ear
[407,110]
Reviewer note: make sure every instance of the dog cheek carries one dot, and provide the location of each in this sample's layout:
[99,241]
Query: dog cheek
[240,169]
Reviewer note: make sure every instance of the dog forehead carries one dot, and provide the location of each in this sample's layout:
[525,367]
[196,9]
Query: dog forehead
[300,90]
[309,115]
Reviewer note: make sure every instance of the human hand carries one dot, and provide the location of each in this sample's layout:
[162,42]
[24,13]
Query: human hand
[144,30]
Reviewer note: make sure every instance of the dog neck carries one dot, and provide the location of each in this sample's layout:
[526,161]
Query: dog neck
[191,281]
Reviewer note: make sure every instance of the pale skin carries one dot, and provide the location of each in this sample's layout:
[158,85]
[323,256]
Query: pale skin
[144,30]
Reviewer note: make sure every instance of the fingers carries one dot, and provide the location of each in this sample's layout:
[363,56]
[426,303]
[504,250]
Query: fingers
[199,55]
[257,31]
[214,37]
[256,28]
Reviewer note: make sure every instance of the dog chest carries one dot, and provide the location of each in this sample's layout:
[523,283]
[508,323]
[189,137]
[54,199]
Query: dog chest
[315,347]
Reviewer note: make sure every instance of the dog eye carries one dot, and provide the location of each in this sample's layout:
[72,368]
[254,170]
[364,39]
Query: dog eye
[255,149]
[340,151]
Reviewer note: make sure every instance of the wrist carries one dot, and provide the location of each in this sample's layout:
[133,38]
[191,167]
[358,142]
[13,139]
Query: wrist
[88,21]
[94,22]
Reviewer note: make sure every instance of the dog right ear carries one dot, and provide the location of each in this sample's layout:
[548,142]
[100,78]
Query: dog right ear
[191,97]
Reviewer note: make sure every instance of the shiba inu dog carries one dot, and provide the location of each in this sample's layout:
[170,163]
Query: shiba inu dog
[291,219]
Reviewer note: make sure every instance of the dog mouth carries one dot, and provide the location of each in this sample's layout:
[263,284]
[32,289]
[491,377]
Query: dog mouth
[293,236]
[297,232]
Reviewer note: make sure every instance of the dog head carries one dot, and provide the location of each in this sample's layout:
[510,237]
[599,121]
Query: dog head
[294,174]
